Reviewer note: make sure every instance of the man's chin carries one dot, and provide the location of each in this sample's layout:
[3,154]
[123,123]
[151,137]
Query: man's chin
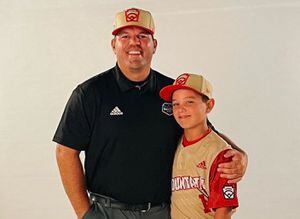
[136,65]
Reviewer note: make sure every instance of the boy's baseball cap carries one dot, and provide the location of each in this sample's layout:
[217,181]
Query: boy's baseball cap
[134,17]
[193,82]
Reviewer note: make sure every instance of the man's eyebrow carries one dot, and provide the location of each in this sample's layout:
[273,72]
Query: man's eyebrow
[122,32]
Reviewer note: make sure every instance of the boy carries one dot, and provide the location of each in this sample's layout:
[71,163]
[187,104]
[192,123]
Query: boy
[198,191]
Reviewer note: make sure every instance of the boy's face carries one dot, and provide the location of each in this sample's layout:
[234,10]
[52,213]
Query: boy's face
[189,109]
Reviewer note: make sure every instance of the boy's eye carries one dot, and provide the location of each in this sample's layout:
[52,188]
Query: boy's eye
[175,104]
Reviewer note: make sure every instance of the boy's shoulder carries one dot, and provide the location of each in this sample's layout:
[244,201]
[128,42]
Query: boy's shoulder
[217,142]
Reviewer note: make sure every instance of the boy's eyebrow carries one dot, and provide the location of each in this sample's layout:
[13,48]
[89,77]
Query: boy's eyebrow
[191,97]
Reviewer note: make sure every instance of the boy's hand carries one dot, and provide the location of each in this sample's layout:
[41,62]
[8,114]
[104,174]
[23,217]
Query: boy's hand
[235,169]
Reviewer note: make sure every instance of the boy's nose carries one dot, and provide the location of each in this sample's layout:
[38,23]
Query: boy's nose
[181,108]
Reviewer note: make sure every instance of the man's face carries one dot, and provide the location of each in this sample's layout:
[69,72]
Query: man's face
[189,109]
[134,48]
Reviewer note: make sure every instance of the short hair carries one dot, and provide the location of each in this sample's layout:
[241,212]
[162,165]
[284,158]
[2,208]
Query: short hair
[204,98]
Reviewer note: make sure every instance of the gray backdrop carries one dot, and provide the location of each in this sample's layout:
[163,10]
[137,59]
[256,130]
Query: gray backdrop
[249,50]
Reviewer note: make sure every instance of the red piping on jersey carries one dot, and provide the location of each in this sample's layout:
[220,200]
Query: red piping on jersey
[185,142]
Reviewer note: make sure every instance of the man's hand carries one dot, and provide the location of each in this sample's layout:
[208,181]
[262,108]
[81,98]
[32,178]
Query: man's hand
[235,169]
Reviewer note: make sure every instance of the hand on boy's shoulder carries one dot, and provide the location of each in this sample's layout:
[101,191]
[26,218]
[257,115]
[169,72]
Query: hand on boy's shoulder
[234,168]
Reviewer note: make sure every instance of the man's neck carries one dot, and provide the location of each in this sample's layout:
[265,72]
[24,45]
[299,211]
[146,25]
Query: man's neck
[135,74]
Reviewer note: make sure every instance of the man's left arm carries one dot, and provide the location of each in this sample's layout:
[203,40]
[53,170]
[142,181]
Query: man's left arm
[235,169]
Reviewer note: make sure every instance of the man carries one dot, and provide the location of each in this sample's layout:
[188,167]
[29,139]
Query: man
[127,132]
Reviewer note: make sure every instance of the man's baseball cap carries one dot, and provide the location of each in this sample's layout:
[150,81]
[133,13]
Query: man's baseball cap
[193,82]
[134,17]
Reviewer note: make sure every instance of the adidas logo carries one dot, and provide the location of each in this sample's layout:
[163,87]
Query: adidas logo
[202,165]
[116,112]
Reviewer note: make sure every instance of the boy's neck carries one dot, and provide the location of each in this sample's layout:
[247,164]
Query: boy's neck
[196,132]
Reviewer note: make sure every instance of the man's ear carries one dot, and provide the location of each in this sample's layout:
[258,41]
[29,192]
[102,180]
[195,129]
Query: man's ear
[113,44]
[210,105]
[155,45]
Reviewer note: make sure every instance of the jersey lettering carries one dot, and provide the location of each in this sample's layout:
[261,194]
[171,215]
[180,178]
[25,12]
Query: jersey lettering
[187,182]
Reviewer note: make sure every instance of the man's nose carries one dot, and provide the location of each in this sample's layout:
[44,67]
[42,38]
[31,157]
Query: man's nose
[135,40]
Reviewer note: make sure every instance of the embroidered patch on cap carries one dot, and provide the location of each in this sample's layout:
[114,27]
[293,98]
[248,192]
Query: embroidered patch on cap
[167,109]
[132,15]
[181,80]
[228,192]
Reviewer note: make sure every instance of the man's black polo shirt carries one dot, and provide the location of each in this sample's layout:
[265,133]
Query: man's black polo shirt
[127,135]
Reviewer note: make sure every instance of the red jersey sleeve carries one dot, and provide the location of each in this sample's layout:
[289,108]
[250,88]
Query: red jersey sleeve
[221,193]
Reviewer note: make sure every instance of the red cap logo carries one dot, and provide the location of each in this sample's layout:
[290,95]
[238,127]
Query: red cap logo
[132,15]
[181,80]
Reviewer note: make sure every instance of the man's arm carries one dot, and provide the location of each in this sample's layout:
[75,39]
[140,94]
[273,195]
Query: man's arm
[72,176]
[234,170]
[223,213]
[231,143]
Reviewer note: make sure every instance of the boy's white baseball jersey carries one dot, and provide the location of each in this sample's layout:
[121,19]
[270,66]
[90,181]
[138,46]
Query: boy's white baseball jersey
[197,188]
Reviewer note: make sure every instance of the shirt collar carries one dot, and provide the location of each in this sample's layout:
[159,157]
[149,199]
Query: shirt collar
[125,84]
[186,142]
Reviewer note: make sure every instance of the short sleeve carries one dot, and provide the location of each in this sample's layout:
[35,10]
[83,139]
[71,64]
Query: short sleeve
[74,128]
[222,193]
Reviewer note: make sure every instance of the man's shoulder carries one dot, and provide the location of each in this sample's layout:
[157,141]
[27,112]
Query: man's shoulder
[96,81]
[162,79]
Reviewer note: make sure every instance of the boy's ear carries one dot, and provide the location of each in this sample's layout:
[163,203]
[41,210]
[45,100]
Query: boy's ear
[210,105]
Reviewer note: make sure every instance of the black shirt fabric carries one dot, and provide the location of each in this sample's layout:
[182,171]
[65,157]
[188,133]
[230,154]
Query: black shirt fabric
[129,142]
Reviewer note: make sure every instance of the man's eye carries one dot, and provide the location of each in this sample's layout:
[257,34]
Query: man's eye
[142,36]
[175,104]
[123,36]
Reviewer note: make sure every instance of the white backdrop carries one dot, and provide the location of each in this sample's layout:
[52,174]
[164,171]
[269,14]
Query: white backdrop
[249,50]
